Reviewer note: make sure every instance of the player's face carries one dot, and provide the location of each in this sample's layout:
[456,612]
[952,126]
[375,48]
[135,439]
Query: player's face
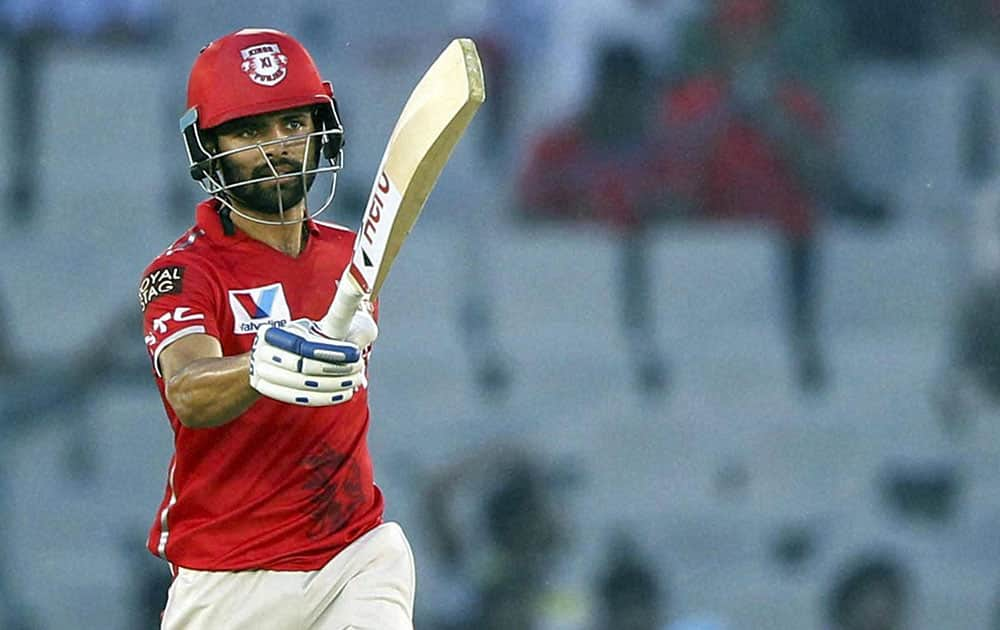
[254,133]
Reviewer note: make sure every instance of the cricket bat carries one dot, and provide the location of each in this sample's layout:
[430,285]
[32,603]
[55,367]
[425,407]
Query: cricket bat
[432,122]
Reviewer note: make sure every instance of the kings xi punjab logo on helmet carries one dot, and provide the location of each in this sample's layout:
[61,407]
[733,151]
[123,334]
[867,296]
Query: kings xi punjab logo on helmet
[264,64]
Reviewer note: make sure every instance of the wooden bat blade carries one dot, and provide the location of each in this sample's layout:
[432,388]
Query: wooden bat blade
[433,120]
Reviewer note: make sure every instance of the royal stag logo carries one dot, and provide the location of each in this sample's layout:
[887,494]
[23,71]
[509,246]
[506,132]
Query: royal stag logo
[264,64]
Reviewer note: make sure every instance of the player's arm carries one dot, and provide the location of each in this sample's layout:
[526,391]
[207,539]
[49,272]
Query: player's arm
[204,388]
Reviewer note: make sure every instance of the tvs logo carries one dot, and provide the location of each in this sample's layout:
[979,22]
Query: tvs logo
[264,64]
[255,308]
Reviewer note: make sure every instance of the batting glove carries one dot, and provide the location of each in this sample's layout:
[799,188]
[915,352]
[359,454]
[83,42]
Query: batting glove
[299,365]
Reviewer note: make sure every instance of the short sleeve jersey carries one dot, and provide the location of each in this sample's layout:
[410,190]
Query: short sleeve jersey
[281,487]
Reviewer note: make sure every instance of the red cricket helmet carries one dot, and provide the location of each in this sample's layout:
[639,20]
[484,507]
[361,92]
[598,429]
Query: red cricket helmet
[255,71]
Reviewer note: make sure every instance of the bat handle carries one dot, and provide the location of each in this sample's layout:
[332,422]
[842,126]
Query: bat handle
[337,321]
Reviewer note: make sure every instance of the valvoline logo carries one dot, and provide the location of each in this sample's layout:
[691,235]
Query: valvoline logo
[257,307]
[261,306]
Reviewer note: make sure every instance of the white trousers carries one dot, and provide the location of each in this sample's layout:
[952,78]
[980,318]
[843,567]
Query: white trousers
[367,586]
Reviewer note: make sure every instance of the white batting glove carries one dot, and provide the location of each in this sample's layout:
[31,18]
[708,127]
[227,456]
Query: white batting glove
[363,330]
[299,365]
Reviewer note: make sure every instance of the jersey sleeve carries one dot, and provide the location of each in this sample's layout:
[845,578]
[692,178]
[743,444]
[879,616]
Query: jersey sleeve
[178,298]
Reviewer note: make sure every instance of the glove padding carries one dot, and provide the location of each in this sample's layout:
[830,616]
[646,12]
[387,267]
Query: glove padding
[299,365]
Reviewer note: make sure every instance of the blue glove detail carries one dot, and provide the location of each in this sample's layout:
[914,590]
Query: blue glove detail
[299,365]
[332,352]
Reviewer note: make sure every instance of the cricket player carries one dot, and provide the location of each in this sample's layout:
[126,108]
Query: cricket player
[271,518]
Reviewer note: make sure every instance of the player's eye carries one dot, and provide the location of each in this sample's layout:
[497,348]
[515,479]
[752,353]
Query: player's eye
[247,132]
[295,124]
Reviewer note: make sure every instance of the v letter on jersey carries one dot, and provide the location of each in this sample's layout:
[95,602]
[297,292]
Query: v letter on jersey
[261,306]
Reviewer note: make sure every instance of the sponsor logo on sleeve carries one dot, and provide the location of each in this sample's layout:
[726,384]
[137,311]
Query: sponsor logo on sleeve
[261,306]
[163,281]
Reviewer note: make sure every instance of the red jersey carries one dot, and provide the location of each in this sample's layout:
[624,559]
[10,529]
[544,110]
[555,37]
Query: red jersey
[280,487]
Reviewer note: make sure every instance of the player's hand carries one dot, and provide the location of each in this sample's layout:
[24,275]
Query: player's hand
[299,365]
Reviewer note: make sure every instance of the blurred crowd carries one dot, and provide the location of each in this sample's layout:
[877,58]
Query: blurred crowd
[635,116]
[502,569]
[734,118]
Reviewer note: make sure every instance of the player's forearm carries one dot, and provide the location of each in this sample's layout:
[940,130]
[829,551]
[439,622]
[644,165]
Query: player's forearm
[211,392]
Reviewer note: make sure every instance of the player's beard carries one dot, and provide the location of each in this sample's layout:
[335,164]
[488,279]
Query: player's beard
[263,197]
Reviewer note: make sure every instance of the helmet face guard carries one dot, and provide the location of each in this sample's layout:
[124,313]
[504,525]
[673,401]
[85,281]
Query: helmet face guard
[249,73]
[205,166]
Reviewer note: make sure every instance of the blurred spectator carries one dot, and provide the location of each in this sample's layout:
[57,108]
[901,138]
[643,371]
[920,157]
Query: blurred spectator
[500,573]
[599,165]
[541,62]
[922,491]
[629,592]
[746,138]
[30,28]
[872,593]
[743,139]
[968,384]
[740,139]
